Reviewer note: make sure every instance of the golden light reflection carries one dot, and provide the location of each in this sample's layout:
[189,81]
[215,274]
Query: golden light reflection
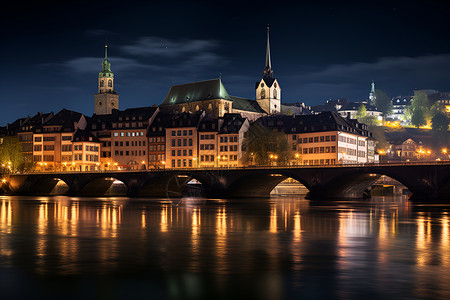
[6,216]
[143,219]
[221,238]
[273,219]
[6,227]
[423,239]
[445,249]
[164,218]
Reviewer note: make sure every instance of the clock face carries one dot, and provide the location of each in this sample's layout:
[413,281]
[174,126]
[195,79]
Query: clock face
[262,84]
[100,103]
[113,104]
[275,84]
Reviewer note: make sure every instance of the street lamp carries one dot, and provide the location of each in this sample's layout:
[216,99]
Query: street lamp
[195,161]
[297,156]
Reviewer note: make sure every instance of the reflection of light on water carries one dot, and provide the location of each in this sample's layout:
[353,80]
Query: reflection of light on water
[195,237]
[221,232]
[422,240]
[5,228]
[6,216]
[42,218]
[445,240]
[164,223]
[273,219]
[143,221]
[297,227]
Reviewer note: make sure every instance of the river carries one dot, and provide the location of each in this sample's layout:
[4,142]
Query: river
[277,248]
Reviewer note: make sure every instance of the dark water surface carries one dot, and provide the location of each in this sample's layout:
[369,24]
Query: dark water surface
[279,248]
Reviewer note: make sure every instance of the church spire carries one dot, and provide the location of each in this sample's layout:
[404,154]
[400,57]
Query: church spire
[268,72]
[106,66]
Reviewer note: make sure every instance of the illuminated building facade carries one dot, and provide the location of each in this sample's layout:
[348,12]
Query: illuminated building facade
[324,139]
[63,144]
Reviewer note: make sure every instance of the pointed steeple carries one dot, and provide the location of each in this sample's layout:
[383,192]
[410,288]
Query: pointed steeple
[106,66]
[268,72]
[372,95]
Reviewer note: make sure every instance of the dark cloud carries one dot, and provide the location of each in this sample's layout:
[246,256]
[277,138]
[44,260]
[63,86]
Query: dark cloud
[157,46]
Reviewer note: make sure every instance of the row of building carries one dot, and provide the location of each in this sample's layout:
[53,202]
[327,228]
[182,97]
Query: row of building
[148,138]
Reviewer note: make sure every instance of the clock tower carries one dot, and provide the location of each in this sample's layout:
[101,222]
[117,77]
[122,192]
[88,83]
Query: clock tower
[107,98]
[268,91]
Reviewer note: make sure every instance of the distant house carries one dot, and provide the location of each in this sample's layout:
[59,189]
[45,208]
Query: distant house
[351,109]
[330,105]
[399,106]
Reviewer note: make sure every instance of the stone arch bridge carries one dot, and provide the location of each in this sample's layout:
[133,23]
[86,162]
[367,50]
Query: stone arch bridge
[428,181]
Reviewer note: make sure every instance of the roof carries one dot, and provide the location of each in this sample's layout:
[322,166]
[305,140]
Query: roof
[246,105]
[186,119]
[208,124]
[196,91]
[355,106]
[232,123]
[267,80]
[159,124]
[84,136]
[325,121]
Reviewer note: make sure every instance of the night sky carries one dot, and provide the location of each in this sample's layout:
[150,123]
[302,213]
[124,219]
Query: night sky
[51,52]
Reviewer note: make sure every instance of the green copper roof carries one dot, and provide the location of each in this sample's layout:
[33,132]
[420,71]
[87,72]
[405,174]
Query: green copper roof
[197,91]
[106,66]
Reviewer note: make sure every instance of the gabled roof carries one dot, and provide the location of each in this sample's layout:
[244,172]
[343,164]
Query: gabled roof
[232,123]
[267,80]
[196,91]
[208,124]
[84,136]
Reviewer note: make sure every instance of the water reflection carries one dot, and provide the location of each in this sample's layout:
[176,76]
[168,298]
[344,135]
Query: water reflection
[385,247]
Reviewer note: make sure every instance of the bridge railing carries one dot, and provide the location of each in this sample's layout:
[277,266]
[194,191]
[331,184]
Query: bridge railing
[421,163]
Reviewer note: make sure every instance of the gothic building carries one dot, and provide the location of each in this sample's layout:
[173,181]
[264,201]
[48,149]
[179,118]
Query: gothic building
[212,97]
[268,91]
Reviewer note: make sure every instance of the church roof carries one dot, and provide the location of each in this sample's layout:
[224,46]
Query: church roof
[196,91]
[267,80]
[246,105]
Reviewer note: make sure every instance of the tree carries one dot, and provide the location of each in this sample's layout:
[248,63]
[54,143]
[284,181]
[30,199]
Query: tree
[439,125]
[11,156]
[362,112]
[382,102]
[261,142]
[420,109]
[362,117]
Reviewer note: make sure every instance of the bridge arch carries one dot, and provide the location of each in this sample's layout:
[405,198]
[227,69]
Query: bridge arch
[52,186]
[104,186]
[259,184]
[354,183]
[174,185]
